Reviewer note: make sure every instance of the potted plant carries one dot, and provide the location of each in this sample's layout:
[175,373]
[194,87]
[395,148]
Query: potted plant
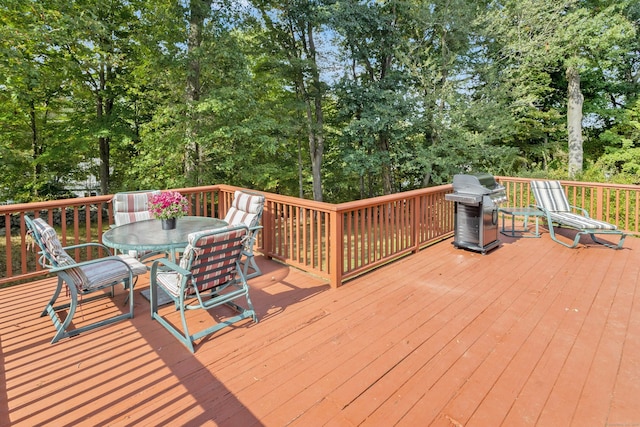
[168,206]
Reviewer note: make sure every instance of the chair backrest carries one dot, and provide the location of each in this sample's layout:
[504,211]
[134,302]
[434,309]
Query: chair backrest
[47,240]
[132,206]
[246,208]
[212,257]
[550,195]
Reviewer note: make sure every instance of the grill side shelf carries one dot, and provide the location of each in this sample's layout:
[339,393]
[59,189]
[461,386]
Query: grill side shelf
[469,199]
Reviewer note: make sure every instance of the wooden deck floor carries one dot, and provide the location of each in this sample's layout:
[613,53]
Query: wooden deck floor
[530,334]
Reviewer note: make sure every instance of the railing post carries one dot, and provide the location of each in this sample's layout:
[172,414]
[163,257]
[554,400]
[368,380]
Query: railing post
[268,227]
[335,251]
[599,203]
[416,215]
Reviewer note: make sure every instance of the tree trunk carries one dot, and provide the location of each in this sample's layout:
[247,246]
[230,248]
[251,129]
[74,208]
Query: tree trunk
[316,120]
[300,175]
[103,142]
[575,100]
[387,182]
[192,157]
[36,149]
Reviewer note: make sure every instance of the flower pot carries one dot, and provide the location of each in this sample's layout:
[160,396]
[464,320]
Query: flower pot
[169,224]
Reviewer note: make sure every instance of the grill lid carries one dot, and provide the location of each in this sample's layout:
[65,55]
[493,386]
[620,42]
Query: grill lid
[476,183]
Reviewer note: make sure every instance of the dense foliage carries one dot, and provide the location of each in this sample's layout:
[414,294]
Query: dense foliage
[326,99]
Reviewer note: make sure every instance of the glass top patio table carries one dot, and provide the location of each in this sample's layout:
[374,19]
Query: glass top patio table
[149,236]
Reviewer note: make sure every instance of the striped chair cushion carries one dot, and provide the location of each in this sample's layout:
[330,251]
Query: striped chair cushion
[210,258]
[111,271]
[132,207]
[550,196]
[56,254]
[245,209]
[580,222]
[91,276]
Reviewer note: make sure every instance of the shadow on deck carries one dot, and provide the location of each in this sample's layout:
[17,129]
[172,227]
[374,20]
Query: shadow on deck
[530,334]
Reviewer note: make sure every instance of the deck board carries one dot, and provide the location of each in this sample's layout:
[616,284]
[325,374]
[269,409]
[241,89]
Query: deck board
[532,333]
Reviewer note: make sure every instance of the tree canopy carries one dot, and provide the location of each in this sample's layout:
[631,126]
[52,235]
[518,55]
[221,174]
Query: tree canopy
[326,99]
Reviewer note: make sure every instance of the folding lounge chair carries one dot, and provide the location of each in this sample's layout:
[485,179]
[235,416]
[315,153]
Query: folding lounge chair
[209,275]
[246,209]
[552,201]
[81,279]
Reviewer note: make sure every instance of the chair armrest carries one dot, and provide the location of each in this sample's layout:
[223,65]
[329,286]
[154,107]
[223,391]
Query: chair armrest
[581,210]
[92,261]
[167,265]
[251,236]
[90,244]
[253,231]
[42,260]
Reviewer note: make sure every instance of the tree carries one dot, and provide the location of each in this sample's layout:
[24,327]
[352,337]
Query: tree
[199,10]
[39,152]
[375,97]
[536,39]
[291,28]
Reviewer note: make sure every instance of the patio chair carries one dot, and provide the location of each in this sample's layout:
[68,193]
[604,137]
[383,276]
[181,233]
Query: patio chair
[209,275]
[133,206]
[552,201]
[81,278]
[246,208]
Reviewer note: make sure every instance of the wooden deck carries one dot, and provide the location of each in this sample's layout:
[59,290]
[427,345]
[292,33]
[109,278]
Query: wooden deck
[532,333]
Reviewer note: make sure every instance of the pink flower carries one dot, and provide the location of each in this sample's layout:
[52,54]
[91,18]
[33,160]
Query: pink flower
[169,204]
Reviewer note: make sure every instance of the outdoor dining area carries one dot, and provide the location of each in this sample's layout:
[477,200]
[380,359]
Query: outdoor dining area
[215,258]
[248,313]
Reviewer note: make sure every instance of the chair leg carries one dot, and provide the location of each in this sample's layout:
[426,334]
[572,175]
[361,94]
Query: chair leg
[62,327]
[579,234]
[609,245]
[186,339]
[250,262]
[555,239]
[55,296]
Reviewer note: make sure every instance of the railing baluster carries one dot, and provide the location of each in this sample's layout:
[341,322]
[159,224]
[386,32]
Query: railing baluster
[337,242]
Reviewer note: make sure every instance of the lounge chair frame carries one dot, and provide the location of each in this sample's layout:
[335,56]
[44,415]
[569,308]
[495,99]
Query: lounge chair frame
[552,201]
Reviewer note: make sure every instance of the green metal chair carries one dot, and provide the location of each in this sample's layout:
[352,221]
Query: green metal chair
[246,208]
[552,201]
[209,275]
[133,206]
[81,278]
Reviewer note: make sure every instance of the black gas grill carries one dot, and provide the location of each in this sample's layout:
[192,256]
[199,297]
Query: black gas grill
[478,197]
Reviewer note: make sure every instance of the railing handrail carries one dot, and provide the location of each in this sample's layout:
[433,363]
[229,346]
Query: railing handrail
[569,183]
[334,241]
[357,204]
[79,201]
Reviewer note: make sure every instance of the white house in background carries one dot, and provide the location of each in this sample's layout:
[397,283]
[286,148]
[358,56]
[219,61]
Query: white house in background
[88,187]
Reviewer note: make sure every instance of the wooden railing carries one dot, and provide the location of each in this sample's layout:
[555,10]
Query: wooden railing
[78,221]
[341,241]
[334,241]
[616,204]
